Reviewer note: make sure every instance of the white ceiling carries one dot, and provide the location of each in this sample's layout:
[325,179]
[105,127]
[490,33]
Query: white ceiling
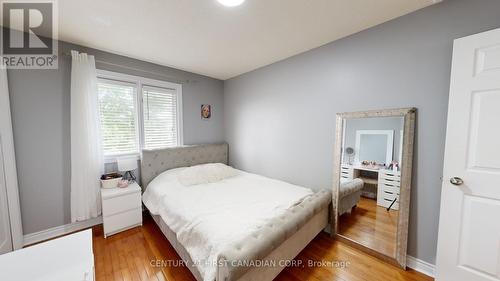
[204,37]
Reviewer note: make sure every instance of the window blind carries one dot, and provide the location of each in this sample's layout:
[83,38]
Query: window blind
[160,117]
[118,117]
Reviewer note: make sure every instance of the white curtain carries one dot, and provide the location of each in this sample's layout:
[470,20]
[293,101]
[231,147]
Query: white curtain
[86,154]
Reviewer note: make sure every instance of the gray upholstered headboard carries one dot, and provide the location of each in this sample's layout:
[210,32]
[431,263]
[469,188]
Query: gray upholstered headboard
[154,162]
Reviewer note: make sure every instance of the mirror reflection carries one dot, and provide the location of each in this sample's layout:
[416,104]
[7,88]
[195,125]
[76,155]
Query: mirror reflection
[370,178]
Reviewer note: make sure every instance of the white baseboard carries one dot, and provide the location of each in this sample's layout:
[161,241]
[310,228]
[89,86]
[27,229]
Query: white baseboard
[421,266]
[59,230]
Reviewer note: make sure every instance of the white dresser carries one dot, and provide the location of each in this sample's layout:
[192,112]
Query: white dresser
[62,259]
[121,208]
[388,189]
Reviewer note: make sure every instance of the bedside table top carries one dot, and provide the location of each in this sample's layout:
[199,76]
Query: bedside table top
[107,193]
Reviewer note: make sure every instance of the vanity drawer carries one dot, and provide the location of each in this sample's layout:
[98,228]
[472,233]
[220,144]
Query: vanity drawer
[120,204]
[389,189]
[389,183]
[387,203]
[385,198]
[346,175]
[386,194]
[346,172]
[389,179]
[121,221]
[389,176]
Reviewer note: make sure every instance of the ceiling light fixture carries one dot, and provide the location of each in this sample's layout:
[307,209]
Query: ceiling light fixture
[231,3]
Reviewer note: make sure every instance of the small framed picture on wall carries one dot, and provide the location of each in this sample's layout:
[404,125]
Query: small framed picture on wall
[206,111]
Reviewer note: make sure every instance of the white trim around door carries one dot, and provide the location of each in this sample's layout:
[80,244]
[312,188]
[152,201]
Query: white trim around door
[9,163]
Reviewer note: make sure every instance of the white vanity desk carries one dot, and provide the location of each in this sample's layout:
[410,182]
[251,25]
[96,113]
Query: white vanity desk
[388,183]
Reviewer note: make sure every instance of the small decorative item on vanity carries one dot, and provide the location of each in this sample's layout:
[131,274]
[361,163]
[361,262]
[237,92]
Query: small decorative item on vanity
[370,164]
[110,180]
[206,111]
[127,165]
[394,166]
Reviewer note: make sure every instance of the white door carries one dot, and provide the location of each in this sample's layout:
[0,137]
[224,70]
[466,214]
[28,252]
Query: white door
[469,227]
[5,235]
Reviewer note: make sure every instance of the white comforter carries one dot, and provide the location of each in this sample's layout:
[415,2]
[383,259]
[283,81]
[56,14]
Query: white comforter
[206,217]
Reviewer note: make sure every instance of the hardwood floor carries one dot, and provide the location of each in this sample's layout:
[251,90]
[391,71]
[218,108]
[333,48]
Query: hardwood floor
[372,226]
[131,255]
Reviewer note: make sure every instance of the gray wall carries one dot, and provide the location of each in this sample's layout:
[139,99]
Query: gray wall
[40,103]
[382,123]
[279,120]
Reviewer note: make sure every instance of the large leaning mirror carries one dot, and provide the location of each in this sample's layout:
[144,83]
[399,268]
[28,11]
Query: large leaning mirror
[372,180]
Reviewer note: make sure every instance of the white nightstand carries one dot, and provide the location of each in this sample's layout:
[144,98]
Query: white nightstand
[121,208]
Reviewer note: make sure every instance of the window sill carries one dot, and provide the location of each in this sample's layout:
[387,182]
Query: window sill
[112,159]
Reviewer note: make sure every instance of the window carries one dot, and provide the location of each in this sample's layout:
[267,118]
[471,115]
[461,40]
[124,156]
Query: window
[137,113]
[160,117]
[118,117]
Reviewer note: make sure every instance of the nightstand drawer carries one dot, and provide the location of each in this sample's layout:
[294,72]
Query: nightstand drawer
[120,204]
[121,221]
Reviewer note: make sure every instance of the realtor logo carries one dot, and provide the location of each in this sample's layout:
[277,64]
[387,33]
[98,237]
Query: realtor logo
[29,36]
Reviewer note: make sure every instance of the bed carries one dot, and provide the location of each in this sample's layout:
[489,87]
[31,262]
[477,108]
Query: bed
[349,194]
[210,225]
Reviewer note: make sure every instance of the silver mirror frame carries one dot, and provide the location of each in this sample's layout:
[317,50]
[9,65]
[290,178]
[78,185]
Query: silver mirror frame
[406,178]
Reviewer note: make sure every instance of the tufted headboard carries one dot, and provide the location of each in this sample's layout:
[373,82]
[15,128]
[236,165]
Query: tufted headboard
[156,161]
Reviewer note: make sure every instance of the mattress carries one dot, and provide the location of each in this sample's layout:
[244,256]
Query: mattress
[211,220]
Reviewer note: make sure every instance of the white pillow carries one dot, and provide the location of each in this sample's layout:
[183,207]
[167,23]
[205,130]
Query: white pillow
[205,173]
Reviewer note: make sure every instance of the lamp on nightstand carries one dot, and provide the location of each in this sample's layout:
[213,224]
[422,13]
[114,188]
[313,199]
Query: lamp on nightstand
[127,165]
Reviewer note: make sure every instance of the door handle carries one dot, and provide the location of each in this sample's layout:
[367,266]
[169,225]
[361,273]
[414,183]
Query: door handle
[456,181]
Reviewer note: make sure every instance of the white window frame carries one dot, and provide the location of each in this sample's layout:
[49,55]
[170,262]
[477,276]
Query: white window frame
[139,82]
